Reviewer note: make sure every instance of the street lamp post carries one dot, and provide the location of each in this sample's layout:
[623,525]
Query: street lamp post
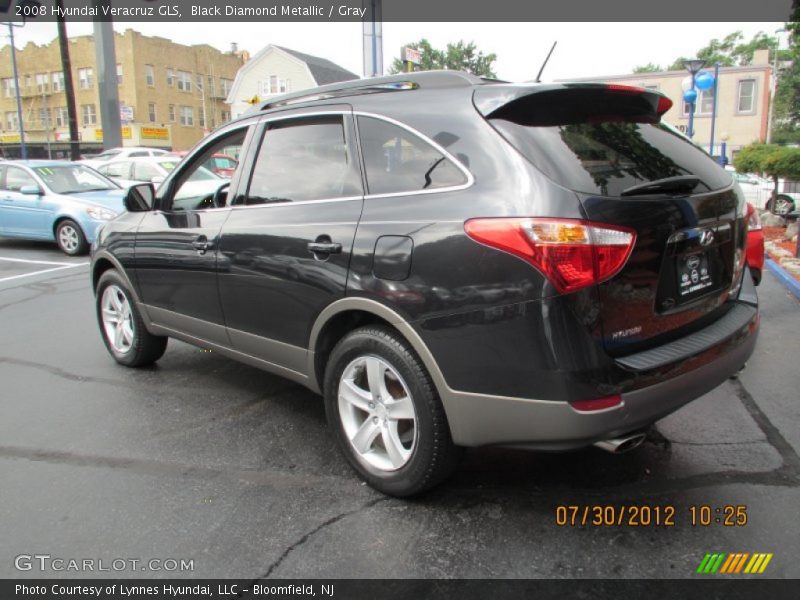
[693,66]
[773,88]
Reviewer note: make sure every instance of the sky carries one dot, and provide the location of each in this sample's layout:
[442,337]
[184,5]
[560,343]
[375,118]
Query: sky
[584,49]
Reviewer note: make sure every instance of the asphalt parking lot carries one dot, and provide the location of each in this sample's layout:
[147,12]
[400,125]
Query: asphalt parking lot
[204,459]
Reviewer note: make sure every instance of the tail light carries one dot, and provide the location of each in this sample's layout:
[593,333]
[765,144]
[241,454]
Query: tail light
[753,218]
[571,253]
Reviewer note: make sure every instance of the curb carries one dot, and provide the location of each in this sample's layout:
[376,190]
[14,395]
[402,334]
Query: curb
[784,277]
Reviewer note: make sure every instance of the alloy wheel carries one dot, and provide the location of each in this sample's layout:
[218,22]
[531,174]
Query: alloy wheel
[117,319]
[377,413]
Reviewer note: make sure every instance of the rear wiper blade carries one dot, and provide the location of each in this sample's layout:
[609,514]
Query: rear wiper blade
[668,184]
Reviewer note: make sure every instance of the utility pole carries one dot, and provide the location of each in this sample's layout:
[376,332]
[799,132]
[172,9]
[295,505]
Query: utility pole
[106,61]
[23,148]
[69,89]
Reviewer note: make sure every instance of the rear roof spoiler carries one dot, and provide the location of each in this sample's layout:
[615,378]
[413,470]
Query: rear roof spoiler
[501,99]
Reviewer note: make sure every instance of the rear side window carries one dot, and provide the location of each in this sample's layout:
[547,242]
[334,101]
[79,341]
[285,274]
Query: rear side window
[397,161]
[304,160]
[117,169]
[607,154]
[145,171]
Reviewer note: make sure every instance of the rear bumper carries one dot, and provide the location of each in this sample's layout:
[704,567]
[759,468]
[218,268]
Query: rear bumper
[479,419]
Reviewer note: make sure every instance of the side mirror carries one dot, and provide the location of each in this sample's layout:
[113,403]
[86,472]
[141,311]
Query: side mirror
[30,190]
[139,197]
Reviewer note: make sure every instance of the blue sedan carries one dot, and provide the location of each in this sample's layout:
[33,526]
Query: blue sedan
[56,200]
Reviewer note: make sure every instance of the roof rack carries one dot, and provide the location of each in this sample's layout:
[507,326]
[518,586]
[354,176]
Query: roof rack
[389,83]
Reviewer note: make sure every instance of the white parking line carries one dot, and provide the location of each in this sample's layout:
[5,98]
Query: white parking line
[3,279]
[34,262]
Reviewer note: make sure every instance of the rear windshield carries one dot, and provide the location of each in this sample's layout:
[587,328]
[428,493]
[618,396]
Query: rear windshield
[607,156]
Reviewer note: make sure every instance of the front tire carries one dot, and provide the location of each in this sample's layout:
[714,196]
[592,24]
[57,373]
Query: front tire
[121,325]
[386,415]
[70,238]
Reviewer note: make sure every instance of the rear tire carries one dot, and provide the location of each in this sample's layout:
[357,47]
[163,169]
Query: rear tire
[121,324]
[782,205]
[386,415]
[70,238]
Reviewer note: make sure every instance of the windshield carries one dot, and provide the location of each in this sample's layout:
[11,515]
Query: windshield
[71,179]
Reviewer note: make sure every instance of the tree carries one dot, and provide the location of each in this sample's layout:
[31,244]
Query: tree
[459,57]
[730,51]
[786,120]
[777,162]
[648,68]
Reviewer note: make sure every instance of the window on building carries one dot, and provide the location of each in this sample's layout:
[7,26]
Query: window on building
[289,151]
[119,74]
[12,122]
[225,86]
[200,84]
[9,88]
[171,113]
[185,81]
[274,85]
[88,115]
[45,118]
[151,112]
[43,83]
[149,75]
[85,78]
[170,77]
[201,118]
[187,116]
[57,79]
[224,116]
[398,161]
[746,96]
[29,83]
[704,104]
[62,117]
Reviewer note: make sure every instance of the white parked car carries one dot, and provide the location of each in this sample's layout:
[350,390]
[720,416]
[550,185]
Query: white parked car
[154,169]
[757,190]
[119,153]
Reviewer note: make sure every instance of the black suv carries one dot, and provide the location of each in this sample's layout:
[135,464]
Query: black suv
[450,261]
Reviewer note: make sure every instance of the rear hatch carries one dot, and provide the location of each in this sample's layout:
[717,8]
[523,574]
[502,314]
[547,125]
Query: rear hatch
[607,144]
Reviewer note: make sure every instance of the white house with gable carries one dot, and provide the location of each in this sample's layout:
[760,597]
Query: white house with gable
[276,70]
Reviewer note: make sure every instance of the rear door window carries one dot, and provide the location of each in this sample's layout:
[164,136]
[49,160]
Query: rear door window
[303,160]
[398,161]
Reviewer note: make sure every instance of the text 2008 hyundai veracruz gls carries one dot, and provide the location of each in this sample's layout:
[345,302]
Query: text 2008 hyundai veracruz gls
[450,262]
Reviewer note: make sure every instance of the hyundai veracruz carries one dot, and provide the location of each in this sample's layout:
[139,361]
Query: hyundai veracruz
[451,262]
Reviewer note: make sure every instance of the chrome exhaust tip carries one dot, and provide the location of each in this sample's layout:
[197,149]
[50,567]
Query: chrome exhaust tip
[622,444]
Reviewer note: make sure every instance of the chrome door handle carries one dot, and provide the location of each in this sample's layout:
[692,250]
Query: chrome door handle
[202,244]
[325,247]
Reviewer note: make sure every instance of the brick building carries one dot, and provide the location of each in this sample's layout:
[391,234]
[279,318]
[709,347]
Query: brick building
[170,94]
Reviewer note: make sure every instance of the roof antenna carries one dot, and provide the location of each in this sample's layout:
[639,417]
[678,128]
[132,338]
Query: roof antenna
[544,64]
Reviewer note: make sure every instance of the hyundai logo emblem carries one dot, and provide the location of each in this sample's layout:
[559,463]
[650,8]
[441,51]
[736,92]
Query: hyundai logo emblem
[693,261]
[706,237]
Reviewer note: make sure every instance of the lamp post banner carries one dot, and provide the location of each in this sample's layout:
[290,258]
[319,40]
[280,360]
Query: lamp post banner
[396,10]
